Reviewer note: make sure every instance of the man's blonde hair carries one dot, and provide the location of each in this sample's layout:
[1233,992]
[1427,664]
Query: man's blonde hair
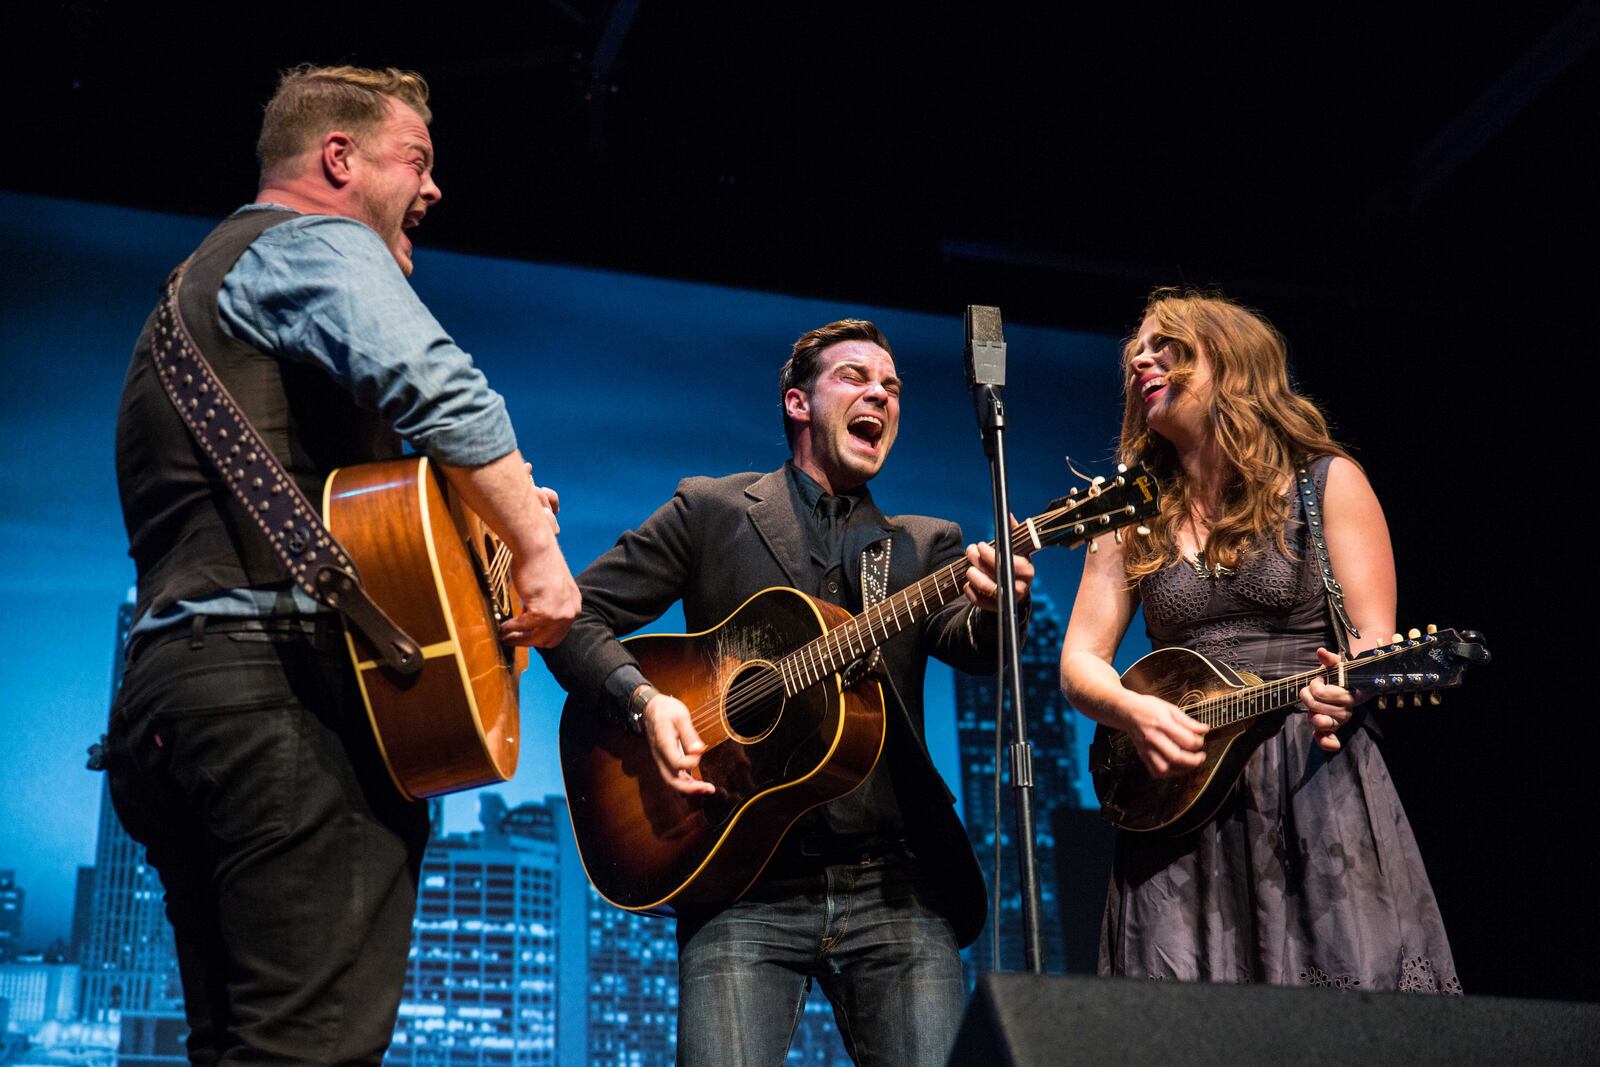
[310,101]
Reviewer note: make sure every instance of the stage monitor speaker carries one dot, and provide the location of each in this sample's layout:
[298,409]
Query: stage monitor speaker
[1028,1020]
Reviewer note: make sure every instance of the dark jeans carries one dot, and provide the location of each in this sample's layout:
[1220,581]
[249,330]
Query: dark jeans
[290,861]
[887,962]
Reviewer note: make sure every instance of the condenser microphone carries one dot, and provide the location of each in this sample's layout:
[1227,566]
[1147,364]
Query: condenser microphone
[986,347]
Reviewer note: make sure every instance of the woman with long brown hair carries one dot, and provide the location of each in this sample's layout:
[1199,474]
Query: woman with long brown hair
[1309,873]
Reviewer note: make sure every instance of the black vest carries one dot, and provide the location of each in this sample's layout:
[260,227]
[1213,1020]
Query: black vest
[189,538]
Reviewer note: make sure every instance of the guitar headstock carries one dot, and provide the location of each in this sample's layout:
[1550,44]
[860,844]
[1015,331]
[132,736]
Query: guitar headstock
[1106,505]
[1415,663]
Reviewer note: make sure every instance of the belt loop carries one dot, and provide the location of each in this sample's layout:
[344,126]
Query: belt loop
[197,632]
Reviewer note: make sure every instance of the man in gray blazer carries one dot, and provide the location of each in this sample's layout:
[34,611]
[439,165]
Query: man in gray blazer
[873,894]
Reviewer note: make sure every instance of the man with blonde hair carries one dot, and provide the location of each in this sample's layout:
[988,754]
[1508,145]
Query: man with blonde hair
[238,747]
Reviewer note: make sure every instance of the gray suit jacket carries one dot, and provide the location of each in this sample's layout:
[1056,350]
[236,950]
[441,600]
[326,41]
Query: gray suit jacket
[717,542]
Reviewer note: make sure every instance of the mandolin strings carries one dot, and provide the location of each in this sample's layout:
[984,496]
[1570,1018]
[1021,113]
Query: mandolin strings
[1229,708]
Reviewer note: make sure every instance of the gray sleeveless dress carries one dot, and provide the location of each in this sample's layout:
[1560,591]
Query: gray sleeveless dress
[1309,875]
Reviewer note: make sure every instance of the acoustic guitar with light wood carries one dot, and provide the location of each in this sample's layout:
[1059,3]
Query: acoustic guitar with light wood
[442,576]
[790,717]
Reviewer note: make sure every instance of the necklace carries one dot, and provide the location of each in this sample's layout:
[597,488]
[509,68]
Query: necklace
[1198,562]
[1197,559]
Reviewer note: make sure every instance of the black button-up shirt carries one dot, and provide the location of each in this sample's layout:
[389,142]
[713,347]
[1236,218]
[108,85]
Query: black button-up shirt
[872,810]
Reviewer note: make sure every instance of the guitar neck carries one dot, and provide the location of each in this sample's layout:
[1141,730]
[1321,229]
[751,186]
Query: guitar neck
[843,645]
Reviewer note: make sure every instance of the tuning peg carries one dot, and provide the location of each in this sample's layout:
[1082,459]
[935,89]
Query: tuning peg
[1435,699]
[1432,629]
[1396,639]
[1416,700]
[1122,468]
[1094,546]
[1383,703]
[1117,535]
[1414,633]
[1142,529]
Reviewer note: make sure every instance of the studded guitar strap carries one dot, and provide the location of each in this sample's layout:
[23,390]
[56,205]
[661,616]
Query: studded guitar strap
[311,556]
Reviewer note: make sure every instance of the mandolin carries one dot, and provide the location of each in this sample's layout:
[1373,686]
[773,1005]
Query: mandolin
[789,717]
[1243,711]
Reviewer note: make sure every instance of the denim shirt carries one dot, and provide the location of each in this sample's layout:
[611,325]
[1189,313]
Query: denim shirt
[324,289]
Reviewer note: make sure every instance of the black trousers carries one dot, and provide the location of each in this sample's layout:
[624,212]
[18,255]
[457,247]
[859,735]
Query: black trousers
[243,761]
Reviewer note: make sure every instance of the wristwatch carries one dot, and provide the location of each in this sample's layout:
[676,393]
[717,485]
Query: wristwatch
[642,696]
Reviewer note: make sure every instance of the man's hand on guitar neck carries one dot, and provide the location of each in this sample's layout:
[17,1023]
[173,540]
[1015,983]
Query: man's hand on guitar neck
[674,744]
[982,588]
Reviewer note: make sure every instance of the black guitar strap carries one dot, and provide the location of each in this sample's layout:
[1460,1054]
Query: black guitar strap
[311,556]
[1343,629]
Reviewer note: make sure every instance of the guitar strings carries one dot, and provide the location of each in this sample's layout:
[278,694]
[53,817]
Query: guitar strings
[821,651]
[498,566]
[808,658]
[817,656]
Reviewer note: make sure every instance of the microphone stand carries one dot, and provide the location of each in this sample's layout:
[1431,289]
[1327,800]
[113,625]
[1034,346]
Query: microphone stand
[991,423]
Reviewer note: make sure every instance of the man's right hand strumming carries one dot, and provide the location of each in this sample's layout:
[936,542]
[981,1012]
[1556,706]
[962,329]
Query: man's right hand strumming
[674,744]
[523,514]
[550,598]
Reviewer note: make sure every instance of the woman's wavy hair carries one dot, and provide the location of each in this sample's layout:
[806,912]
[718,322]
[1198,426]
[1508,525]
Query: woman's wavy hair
[1262,428]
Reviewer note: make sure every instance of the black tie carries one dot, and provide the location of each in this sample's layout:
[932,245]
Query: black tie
[834,511]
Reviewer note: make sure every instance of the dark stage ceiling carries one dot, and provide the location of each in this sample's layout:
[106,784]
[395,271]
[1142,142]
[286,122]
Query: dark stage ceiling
[1055,158]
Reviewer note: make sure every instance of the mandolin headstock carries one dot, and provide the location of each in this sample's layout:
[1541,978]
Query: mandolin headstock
[1413,664]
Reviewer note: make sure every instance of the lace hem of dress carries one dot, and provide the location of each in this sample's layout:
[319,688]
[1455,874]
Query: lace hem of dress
[1416,976]
[1316,976]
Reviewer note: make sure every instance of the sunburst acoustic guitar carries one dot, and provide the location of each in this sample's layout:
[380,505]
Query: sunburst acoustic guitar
[788,719]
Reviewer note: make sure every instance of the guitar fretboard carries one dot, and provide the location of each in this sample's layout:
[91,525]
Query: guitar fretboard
[843,645]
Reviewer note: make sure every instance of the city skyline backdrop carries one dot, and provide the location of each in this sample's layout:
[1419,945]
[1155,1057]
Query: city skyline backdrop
[618,386]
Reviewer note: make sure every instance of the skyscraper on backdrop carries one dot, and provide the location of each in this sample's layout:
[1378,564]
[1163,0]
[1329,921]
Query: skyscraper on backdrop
[481,984]
[12,898]
[129,964]
[517,962]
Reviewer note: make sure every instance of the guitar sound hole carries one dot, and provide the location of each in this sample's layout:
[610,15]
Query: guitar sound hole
[753,702]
